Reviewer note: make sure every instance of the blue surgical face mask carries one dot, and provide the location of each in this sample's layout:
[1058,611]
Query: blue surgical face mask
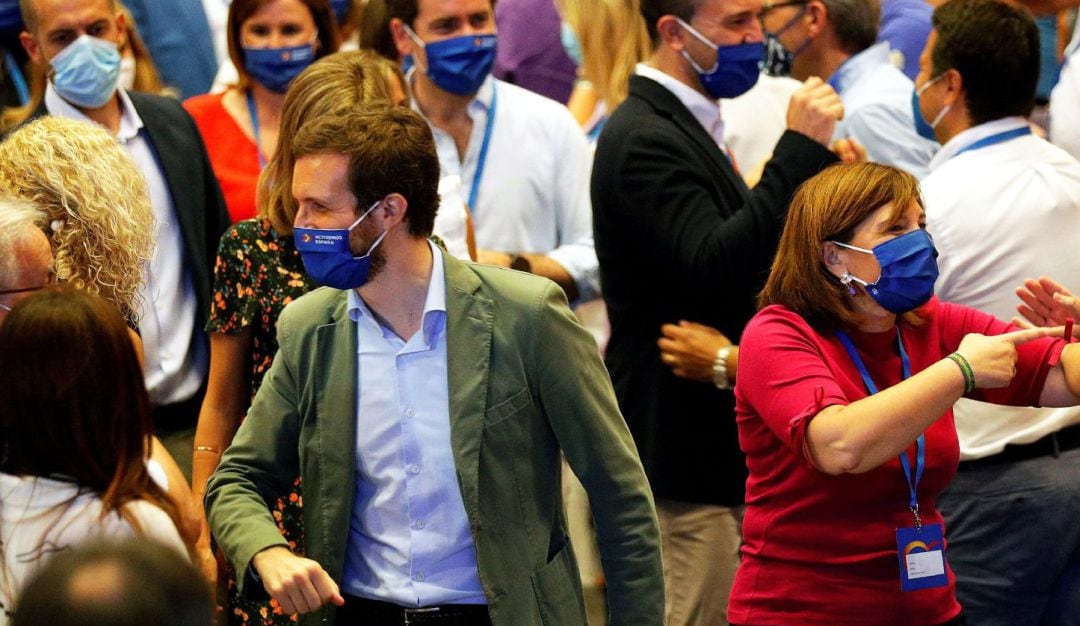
[458,65]
[571,44]
[10,16]
[327,257]
[275,68]
[736,69]
[86,72]
[925,129]
[908,271]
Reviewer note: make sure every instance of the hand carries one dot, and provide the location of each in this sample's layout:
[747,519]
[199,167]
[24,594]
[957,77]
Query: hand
[993,358]
[299,585]
[814,110]
[689,349]
[849,151]
[1045,303]
[493,257]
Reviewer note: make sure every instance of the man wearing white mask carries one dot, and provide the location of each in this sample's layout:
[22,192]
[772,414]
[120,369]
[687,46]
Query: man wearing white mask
[77,40]
[522,159]
[680,237]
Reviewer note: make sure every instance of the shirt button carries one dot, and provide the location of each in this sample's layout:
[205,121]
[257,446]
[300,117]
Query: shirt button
[409,412]
[419,523]
[418,577]
[414,469]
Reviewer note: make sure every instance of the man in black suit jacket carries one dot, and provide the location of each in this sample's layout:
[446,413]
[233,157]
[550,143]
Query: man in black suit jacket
[188,208]
[680,237]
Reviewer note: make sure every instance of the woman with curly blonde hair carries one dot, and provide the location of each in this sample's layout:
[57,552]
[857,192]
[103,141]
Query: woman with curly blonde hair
[98,215]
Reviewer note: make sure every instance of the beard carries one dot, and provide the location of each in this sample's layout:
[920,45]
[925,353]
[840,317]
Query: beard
[360,241]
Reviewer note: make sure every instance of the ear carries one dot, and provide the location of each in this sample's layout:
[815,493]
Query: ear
[121,27]
[671,32]
[954,82]
[830,256]
[393,210]
[818,16]
[402,41]
[29,43]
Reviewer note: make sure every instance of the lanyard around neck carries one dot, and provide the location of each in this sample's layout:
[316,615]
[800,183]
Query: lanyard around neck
[481,160]
[254,114]
[920,443]
[995,139]
[18,81]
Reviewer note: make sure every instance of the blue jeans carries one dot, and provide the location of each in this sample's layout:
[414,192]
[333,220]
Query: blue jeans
[1013,536]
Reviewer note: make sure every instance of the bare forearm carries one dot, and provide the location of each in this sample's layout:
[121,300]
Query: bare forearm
[864,434]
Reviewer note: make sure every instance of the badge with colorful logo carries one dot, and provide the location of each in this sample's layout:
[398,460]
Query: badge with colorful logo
[922,557]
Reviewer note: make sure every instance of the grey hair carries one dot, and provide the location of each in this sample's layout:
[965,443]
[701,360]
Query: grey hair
[18,220]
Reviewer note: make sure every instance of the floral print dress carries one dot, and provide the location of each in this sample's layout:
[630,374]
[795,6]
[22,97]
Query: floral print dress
[256,274]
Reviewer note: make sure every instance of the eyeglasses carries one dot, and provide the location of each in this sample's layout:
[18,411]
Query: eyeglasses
[770,6]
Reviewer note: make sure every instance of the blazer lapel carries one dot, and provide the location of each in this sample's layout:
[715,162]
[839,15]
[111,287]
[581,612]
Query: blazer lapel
[469,324]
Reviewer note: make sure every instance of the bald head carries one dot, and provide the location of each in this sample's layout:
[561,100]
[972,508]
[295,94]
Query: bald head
[26,257]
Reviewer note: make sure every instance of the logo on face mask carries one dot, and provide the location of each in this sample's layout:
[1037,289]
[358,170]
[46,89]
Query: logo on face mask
[736,69]
[327,257]
[908,271]
[275,68]
[458,65]
[86,72]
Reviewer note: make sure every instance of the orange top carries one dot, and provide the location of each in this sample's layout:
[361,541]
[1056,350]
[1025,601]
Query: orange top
[233,155]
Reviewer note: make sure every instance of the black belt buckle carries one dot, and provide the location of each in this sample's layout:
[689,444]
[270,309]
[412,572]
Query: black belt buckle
[422,612]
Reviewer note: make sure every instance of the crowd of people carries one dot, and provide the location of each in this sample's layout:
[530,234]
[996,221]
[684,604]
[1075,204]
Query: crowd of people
[445,311]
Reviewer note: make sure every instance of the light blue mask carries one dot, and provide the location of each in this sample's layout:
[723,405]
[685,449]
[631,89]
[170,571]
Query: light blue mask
[571,44]
[86,72]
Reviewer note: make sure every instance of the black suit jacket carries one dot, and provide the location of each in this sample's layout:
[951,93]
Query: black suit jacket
[200,208]
[679,236]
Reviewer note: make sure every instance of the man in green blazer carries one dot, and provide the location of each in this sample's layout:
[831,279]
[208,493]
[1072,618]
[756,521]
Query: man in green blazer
[425,403]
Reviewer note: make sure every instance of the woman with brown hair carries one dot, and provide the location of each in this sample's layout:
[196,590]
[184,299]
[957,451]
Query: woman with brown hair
[75,431]
[270,43]
[847,377]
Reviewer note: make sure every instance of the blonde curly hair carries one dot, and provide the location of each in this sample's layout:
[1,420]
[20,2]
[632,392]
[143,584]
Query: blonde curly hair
[95,200]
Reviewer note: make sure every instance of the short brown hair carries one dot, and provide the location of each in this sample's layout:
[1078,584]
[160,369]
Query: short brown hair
[653,10]
[241,10]
[390,150]
[829,207]
[335,83]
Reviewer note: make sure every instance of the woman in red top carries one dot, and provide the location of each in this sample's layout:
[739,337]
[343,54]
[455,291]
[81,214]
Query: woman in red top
[847,376]
[270,42]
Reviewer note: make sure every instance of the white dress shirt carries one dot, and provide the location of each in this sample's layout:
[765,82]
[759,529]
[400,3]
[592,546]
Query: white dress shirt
[877,111]
[757,119]
[1000,214]
[704,109]
[175,354]
[533,194]
[409,536]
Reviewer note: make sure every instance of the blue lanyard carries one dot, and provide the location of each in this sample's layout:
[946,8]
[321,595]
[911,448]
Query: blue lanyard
[482,159]
[920,443]
[254,114]
[17,79]
[995,139]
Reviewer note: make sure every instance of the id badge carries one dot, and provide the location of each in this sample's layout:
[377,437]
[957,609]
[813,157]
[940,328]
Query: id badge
[922,557]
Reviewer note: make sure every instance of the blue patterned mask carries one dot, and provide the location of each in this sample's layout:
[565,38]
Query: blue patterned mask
[908,271]
[327,257]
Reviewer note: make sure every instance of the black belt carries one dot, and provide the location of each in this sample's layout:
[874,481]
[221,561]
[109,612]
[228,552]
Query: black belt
[1067,438]
[378,613]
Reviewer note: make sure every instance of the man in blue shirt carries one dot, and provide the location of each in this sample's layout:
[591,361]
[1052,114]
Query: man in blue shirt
[424,403]
[834,40]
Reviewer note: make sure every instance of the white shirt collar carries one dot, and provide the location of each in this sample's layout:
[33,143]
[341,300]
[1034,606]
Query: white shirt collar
[704,109]
[850,70]
[973,134]
[481,99]
[130,122]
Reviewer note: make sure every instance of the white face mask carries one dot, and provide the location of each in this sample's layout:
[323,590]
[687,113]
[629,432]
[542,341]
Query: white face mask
[127,73]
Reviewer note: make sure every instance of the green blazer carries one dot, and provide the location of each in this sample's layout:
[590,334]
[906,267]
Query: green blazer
[526,381]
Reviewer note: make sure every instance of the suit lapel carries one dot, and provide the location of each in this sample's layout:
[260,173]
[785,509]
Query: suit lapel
[665,103]
[469,324]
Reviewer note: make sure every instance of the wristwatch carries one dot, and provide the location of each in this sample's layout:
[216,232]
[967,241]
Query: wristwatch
[719,369]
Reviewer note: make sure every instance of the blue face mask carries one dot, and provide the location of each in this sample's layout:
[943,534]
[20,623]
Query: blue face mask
[924,128]
[908,271]
[340,8]
[736,70]
[327,258]
[571,44]
[458,65]
[86,72]
[275,68]
[10,16]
